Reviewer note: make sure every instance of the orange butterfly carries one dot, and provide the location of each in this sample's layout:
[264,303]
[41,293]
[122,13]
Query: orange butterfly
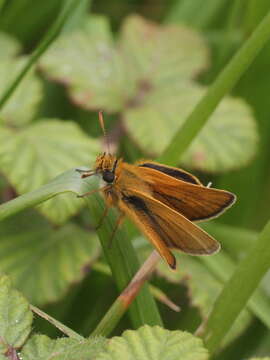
[163,202]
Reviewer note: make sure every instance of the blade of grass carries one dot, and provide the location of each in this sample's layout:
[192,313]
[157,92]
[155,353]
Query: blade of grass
[222,267]
[238,290]
[69,7]
[225,81]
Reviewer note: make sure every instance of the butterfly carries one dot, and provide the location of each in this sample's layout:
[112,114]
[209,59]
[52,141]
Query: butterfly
[162,201]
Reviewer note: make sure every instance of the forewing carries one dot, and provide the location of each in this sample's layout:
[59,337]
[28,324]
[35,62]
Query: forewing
[174,172]
[166,228]
[195,202]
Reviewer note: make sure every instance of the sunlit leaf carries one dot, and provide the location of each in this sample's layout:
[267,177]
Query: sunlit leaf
[100,74]
[150,78]
[89,64]
[157,55]
[42,261]
[15,316]
[31,157]
[23,105]
[154,343]
[41,347]
[228,141]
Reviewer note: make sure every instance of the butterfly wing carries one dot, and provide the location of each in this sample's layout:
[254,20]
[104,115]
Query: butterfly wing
[195,201]
[176,173]
[166,228]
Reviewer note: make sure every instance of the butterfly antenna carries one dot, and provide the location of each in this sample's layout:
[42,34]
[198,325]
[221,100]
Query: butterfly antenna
[101,121]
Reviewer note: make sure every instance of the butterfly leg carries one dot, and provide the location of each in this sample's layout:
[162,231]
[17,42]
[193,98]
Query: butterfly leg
[92,191]
[85,173]
[117,225]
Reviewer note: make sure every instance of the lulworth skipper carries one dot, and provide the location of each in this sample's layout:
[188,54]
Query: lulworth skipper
[163,201]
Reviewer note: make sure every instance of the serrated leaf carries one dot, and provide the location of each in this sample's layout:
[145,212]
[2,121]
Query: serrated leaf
[154,343]
[103,75]
[15,316]
[56,258]
[31,157]
[87,61]
[154,74]
[21,108]
[157,54]
[228,141]
[41,347]
[202,293]
[9,46]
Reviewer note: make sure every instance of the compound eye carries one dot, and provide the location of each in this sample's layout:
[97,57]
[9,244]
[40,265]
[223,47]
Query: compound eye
[108,176]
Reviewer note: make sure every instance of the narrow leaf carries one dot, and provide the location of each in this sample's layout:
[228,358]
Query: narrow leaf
[231,301]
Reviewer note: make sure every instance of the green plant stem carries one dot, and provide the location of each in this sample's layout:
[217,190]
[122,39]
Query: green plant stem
[67,12]
[238,290]
[65,330]
[225,81]
[121,304]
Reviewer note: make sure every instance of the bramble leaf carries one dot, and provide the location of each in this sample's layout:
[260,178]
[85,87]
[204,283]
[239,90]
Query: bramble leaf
[150,74]
[228,141]
[31,157]
[88,63]
[41,347]
[43,261]
[23,105]
[154,343]
[15,316]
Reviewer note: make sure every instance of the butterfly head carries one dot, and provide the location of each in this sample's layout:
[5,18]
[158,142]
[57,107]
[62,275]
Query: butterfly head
[106,165]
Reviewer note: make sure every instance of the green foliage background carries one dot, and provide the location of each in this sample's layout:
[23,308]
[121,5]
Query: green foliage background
[146,65]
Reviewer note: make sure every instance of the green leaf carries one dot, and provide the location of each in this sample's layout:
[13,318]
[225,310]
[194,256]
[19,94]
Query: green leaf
[88,63]
[15,316]
[231,301]
[41,347]
[56,258]
[157,55]
[154,343]
[23,105]
[31,157]
[100,75]
[260,358]
[153,71]
[228,140]
[9,46]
